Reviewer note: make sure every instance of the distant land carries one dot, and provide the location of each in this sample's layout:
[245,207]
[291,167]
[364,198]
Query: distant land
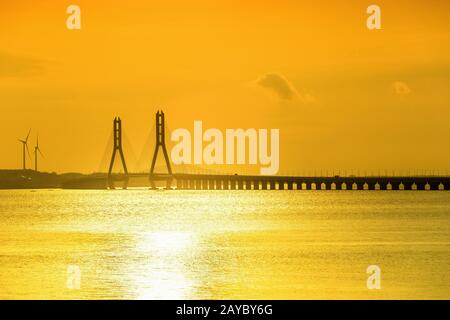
[30,179]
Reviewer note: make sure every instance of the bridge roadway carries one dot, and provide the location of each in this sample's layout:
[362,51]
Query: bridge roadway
[247,182]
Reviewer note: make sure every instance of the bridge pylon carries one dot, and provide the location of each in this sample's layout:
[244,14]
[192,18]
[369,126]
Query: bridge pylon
[160,143]
[117,147]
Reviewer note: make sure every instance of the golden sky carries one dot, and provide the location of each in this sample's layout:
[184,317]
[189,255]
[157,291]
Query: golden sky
[344,97]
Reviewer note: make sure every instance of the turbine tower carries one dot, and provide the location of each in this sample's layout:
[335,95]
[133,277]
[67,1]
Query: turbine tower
[36,150]
[25,146]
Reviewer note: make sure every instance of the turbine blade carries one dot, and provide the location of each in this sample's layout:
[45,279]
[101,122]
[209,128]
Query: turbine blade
[40,153]
[29,131]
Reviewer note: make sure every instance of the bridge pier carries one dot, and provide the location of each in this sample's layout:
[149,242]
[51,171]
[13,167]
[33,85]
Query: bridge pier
[211,182]
[434,185]
[421,185]
[112,183]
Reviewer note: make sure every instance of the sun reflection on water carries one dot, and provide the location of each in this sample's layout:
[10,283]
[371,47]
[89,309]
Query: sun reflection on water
[167,242]
[164,272]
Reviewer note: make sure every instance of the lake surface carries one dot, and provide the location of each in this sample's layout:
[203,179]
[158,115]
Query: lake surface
[142,244]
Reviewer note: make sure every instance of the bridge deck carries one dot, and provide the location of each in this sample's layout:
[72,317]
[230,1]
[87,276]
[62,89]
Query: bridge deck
[251,182]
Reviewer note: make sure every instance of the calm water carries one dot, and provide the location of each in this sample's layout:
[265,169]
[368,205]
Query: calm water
[142,244]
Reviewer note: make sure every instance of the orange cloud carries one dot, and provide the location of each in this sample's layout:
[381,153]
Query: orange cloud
[283,88]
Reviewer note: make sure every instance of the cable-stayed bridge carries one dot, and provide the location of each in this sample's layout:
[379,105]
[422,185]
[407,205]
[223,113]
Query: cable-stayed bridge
[218,181]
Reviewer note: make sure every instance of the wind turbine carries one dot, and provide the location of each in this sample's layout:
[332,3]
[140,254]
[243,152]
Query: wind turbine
[36,150]
[25,146]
